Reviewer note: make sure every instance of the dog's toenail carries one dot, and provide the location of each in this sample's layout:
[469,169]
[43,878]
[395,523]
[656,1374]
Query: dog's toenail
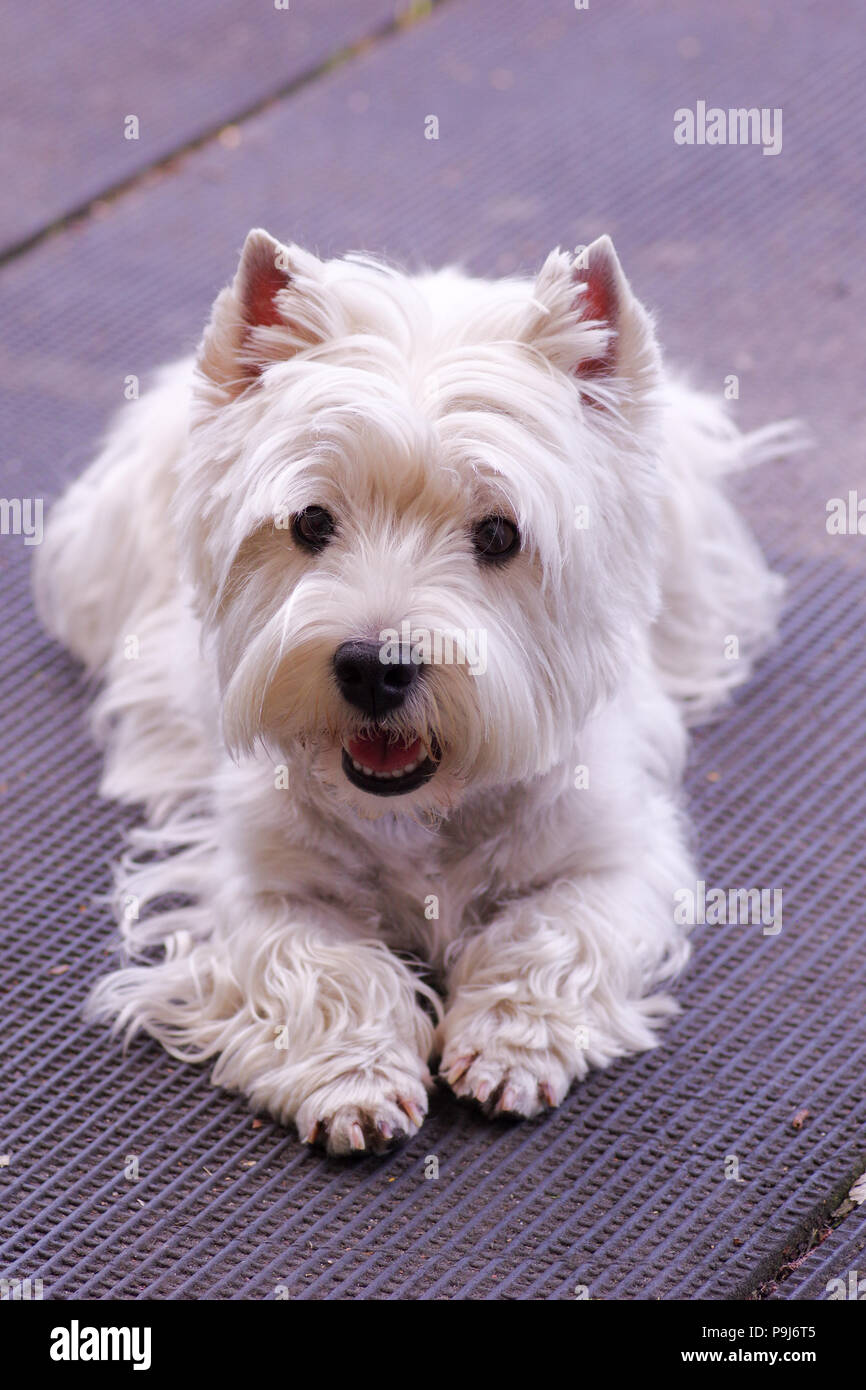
[458,1069]
[356,1137]
[412,1111]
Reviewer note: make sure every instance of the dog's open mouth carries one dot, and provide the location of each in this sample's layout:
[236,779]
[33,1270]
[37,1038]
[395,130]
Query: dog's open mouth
[375,764]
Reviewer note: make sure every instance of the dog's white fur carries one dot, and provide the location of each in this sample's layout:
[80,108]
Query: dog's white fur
[302,927]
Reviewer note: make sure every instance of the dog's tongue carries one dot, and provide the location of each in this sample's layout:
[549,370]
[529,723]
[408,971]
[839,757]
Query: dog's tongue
[378,753]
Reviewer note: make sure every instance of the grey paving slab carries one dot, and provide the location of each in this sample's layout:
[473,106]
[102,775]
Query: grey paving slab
[553,126]
[72,78]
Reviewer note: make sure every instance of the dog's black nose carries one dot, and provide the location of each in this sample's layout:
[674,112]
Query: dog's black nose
[372,685]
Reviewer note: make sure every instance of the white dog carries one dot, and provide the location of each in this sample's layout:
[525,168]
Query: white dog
[286,567]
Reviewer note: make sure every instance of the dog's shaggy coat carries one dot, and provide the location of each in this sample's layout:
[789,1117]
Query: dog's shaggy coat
[302,920]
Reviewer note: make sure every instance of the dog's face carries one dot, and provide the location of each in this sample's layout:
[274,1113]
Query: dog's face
[420,516]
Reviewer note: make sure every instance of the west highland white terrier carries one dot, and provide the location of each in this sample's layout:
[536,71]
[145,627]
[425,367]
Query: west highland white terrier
[402,595]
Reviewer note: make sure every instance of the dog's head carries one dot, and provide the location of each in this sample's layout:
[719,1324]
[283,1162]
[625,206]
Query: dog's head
[420,515]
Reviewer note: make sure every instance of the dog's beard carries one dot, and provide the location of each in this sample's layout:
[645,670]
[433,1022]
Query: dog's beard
[412,777]
[416,760]
[456,733]
[382,769]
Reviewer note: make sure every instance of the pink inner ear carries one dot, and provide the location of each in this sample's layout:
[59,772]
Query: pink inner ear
[599,302]
[264,279]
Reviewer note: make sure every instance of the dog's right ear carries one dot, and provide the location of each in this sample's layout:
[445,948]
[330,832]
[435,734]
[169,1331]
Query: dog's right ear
[274,308]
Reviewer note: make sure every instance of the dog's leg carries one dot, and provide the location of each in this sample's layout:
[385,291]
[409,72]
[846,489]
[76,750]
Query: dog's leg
[557,984]
[309,1021]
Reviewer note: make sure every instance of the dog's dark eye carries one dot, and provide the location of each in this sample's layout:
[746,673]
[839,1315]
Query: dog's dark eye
[495,538]
[313,528]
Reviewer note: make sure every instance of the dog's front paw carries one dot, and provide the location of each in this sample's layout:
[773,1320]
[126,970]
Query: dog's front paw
[365,1111]
[505,1077]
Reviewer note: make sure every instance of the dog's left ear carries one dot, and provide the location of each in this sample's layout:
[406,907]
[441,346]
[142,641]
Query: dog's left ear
[274,308]
[586,319]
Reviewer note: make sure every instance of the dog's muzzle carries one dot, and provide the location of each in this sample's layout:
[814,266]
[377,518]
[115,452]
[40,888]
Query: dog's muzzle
[376,761]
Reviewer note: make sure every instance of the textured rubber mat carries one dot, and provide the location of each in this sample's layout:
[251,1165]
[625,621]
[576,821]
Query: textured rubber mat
[835,1270]
[70,88]
[132,1177]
